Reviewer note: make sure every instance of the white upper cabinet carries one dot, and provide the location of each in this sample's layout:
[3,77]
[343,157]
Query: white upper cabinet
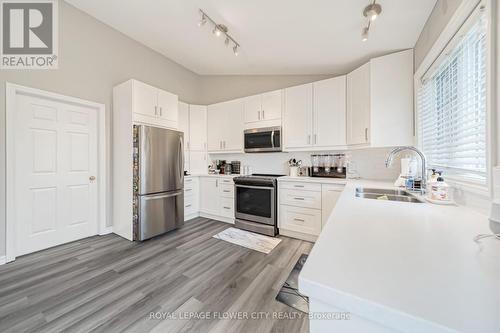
[263,110]
[184,122]
[145,99]
[391,96]
[225,126]
[358,106]
[297,117]
[167,106]
[271,105]
[198,127]
[330,113]
[153,106]
[253,108]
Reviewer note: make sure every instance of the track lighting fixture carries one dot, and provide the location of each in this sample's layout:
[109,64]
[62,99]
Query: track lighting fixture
[371,12]
[219,30]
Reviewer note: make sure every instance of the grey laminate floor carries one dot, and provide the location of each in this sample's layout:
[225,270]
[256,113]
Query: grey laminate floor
[108,284]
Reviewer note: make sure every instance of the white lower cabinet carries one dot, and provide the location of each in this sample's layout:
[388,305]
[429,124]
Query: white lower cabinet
[304,207]
[191,198]
[217,198]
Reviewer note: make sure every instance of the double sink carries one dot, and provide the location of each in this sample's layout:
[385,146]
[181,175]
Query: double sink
[387,194]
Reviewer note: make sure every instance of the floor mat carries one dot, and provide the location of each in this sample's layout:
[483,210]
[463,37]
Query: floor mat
[251,240]
[289,293]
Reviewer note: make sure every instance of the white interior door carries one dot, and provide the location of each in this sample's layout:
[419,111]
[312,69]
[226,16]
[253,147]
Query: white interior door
[56,158]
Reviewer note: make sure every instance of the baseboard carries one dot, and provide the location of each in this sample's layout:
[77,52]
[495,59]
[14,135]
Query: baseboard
[3,260]
[217,217]
[298,235]
[191,216]
[106,231]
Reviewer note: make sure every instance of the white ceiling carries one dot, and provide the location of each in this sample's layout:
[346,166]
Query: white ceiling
[276,36]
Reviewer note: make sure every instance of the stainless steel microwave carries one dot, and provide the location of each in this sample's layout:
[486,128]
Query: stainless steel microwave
[263,140]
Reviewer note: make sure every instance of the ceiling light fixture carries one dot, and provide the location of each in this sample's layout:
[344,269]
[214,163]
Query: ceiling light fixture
[218,30]
[364,34]
[203,20]
[371,12]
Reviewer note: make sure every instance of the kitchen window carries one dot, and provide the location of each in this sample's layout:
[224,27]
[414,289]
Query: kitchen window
[451,105]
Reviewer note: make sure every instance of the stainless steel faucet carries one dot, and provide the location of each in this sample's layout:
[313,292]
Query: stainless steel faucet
[395,151]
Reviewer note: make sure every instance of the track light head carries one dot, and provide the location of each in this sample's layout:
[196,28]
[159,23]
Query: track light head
[235,50]
[364,34]
[203,20]
[372,11]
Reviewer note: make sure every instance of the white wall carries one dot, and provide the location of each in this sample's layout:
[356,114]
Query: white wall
[440,16]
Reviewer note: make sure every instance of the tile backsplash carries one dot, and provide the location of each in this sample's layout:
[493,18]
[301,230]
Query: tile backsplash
[369,163]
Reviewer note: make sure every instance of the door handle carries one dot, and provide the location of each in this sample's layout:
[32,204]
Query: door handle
[92,179]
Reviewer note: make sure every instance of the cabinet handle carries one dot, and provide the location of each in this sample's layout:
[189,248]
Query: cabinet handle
[188,189]
[216,183]
[220,144]
[315,138]
[226,191]
[298,185]
[187,144]
[156,110]
[366,134]
[204,145]
[299,220]
[227,207]
[224,144]
[309,139]
[299,198]
[160,111]
[188,205]
[258,115]
[188,180]
[263,116]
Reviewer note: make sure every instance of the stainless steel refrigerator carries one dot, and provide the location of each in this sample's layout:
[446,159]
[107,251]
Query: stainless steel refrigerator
[158,181]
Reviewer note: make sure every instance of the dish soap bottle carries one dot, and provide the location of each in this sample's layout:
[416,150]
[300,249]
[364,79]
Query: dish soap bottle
[439,189]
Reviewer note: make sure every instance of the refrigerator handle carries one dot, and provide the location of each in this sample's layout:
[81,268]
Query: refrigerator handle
[181,158]
[161,196]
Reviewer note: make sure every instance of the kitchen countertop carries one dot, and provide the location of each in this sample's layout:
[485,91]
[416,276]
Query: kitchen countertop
[212,175]
[320,180]
[412,267]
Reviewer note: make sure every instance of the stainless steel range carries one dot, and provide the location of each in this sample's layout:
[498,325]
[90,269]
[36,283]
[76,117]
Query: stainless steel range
[256,203]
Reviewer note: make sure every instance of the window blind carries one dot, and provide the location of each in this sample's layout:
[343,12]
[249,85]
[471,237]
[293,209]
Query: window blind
[451,108]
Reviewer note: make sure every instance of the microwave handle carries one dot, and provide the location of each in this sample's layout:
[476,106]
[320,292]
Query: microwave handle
[272,139]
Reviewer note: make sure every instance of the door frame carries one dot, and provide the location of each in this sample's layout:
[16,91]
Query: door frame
[11,91]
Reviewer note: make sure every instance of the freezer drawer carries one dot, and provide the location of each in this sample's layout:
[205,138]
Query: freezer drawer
[159,213]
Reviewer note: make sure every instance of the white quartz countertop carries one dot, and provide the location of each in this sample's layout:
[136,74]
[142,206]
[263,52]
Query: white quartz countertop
[412,267]
[212,175]
[320,180]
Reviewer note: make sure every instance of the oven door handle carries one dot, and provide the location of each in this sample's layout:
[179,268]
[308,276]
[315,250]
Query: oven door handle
[256,187]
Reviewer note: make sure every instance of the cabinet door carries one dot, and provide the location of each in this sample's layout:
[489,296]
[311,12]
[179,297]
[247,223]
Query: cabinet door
[198,127]
[198,162]
[183,125]
[145,99]
[391,100]
[232,125]
[215,126]
[330,112]
[168,104]
[253,108]
[297,122]
[329,196]
[358,105]
[209,196]
[271,105]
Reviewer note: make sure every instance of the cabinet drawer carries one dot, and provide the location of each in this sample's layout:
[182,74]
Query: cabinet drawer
[226,181]
[227,207]
[226,191]
[301,186]
[303,220]
[300,198]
